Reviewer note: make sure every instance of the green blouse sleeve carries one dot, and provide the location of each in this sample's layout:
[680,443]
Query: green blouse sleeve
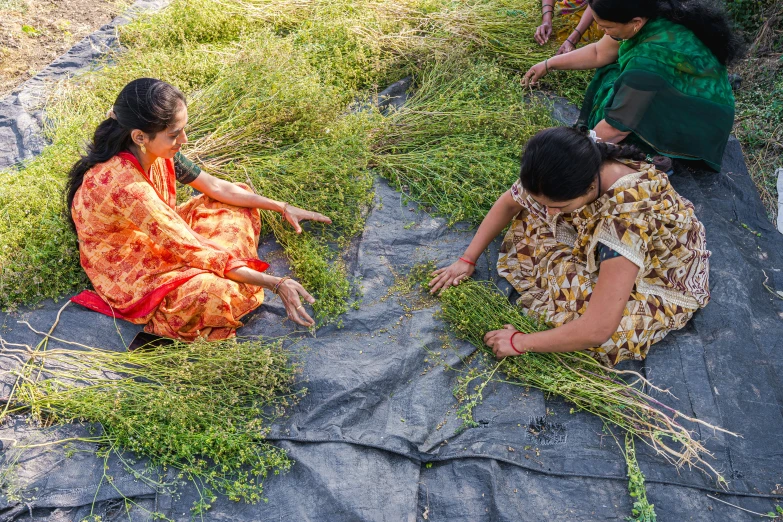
[185,170]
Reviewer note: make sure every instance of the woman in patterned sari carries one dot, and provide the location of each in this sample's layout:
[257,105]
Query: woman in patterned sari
[600,246]
[661,81]
[189,271]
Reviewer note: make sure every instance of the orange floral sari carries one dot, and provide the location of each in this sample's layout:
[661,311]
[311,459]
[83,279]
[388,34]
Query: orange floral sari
[154,263]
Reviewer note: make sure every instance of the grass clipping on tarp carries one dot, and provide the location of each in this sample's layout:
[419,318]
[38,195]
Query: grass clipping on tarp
[474,308]
[202,408]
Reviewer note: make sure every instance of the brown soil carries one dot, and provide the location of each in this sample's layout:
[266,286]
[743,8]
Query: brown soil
[35,32]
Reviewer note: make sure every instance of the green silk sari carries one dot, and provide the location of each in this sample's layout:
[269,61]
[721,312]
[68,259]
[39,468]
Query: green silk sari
[669,91]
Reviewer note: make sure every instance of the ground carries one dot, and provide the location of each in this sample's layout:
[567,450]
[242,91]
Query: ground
[35,32]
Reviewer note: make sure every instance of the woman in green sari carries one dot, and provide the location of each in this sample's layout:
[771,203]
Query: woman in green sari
[661,80]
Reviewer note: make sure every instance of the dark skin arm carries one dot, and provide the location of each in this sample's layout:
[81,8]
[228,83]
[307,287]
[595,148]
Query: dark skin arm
[616,280]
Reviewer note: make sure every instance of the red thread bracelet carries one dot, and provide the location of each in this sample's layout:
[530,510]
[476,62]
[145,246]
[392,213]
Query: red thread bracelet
[468,262]
[512,342]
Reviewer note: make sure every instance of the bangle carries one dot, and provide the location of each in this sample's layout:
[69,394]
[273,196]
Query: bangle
[546,64]
[580,33]
[569,41]
[277,286]
[512,342]
[468,261]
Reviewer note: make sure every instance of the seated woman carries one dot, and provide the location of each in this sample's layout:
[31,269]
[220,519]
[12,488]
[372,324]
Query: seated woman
[189,271]
[600,246]
[661,80]
[576,14]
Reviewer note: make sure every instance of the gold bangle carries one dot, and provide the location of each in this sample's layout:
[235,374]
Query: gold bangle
[277,286]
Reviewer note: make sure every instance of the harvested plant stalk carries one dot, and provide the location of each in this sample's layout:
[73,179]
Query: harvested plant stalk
[202,408]
[474,308]
[456,143]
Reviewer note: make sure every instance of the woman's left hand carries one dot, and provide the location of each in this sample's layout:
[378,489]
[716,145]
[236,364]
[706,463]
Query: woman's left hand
[294,215]
[567,47]
[500,341]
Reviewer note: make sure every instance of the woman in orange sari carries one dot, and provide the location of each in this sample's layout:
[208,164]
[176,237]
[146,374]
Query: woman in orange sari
[189,271]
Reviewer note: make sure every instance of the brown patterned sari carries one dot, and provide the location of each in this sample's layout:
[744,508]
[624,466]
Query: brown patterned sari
[552,260]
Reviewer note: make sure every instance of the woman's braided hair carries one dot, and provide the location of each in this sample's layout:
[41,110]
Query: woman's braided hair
[562,162]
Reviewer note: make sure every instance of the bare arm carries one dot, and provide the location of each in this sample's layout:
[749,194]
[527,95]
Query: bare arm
[289,292]
[225,192]
[231,194]
[601,319]
[498,218]
[608,133]
[577,34]
[590,56]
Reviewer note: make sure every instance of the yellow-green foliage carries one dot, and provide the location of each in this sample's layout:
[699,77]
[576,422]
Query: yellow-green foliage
[456,144]
[203,408]
[273,87]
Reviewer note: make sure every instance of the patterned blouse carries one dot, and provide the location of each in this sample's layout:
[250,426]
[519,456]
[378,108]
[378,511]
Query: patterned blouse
[642,218]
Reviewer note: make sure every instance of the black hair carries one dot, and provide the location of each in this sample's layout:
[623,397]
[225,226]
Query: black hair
[146,104]
[560,163]
[705,18]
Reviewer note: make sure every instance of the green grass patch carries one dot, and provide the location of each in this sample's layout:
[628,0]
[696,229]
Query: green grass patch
[202,408]
[456,144]
[272,84]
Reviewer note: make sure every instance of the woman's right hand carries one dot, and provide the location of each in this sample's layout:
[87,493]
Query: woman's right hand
[451,275]
[534,74]
[543,32]
[289,292]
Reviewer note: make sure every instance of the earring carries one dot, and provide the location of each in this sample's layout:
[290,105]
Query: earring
[143,148]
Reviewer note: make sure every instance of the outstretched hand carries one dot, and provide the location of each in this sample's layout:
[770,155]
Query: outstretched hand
[500,342]
[543,32]
[451,275]
[566,48]
[534,74]
[289,292]
[294,215]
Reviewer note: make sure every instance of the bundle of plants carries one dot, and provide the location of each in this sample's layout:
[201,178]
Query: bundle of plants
[500,30]
[455,145]
[474,308]
[202,408]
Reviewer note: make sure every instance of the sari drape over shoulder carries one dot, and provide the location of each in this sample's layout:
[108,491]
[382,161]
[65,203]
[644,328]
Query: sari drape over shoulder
[669,91]
[553,261]
[154,263]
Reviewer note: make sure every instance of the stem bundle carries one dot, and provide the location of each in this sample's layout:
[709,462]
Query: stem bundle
[202,408]
[474,308]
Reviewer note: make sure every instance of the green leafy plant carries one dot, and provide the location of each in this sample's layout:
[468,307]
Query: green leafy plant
[473,308]
[201,408]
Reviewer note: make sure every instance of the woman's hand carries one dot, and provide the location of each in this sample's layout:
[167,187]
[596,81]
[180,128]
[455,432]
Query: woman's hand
[289,292]
[543,32]
[294,215]
[500,342]
[566,48]
[534,74]
[451,275]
